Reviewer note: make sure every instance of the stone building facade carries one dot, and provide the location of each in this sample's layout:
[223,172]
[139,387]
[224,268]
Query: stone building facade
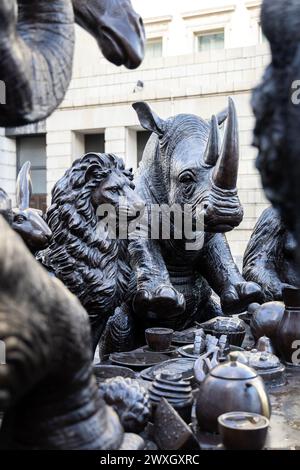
[198,53]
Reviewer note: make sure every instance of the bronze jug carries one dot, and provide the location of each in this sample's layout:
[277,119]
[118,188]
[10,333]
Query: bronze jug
[288,331]
[230,386]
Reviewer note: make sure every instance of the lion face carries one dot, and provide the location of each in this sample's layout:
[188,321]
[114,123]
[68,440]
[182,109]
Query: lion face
[117,191]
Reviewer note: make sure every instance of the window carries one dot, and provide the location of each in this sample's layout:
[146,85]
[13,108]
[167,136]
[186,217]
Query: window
[210,41]
[153,48]
[142,138]
[33,149]
[94,143]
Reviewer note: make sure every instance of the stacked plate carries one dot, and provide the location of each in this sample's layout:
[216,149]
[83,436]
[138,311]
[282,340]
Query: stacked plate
[175,390]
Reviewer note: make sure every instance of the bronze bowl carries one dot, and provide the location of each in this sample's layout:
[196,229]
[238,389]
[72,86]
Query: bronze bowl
[243,431]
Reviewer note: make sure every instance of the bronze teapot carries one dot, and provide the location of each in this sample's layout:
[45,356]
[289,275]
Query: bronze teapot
[230,386]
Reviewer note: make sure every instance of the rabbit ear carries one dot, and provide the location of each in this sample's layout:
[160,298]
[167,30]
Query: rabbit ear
[24,187]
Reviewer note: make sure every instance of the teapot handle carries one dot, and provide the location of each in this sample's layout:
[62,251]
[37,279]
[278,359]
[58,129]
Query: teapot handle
[266,411]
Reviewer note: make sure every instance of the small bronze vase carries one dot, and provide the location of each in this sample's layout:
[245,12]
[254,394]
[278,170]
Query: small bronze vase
[288,331]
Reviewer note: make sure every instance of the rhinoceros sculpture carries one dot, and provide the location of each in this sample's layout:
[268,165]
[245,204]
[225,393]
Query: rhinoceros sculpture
[184,163]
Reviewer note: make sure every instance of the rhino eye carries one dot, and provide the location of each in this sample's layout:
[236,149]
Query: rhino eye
[187,178]
[19,219]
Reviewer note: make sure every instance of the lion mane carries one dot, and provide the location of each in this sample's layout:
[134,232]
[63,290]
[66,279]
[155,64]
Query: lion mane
[90,264]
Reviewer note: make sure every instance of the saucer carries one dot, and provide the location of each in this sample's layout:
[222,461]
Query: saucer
[170,350]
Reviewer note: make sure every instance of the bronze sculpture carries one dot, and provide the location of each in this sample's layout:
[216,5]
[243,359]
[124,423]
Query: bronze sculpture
[37,45]
[130,401]
[184,162]
[47,388]
[231,386]
[5,206]
[92,265]
[98,269]
[276,108]
[27,222]
[269,259]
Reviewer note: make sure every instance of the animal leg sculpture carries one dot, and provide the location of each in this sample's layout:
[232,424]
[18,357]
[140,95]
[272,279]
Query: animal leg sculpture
[154,288]
[120,333]
[218,267]
[269,258]
[47,387]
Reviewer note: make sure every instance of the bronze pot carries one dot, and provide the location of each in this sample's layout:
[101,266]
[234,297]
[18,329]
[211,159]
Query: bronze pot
[230,386]
[243,431]
[288,331]
[159,339]
[265,320]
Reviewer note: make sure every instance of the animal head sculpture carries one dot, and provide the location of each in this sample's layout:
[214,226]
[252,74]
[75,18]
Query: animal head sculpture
[118,29]
[276,107]
[37,46]
[93,180]
[80,253]
[193,166]
[27,222]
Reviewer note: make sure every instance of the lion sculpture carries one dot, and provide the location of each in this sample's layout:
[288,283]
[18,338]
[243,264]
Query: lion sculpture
[92,265]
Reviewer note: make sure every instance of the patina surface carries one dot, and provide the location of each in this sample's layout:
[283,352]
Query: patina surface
[37,47]
[270,257]
[185,163]
[276,108]
[48,390]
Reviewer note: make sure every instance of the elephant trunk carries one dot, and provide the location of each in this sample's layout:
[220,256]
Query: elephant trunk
[36,49]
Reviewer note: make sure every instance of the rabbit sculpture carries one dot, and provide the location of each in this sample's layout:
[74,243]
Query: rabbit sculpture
[28,222]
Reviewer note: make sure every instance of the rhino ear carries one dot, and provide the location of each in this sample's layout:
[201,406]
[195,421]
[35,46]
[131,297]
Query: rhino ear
[148,119]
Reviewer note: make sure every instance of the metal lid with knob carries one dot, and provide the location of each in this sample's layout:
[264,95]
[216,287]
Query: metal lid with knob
[233,369]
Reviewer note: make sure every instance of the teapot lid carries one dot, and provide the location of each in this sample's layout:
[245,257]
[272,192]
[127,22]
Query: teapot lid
[233,369]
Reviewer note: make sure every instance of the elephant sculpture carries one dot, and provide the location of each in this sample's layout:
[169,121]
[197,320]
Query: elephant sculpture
[269,258]
[26,221]
[47,388]
[37,46]
[275,102]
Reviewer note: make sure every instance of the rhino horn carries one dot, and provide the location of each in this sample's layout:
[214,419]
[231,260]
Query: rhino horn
[212,150]
[226,170]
